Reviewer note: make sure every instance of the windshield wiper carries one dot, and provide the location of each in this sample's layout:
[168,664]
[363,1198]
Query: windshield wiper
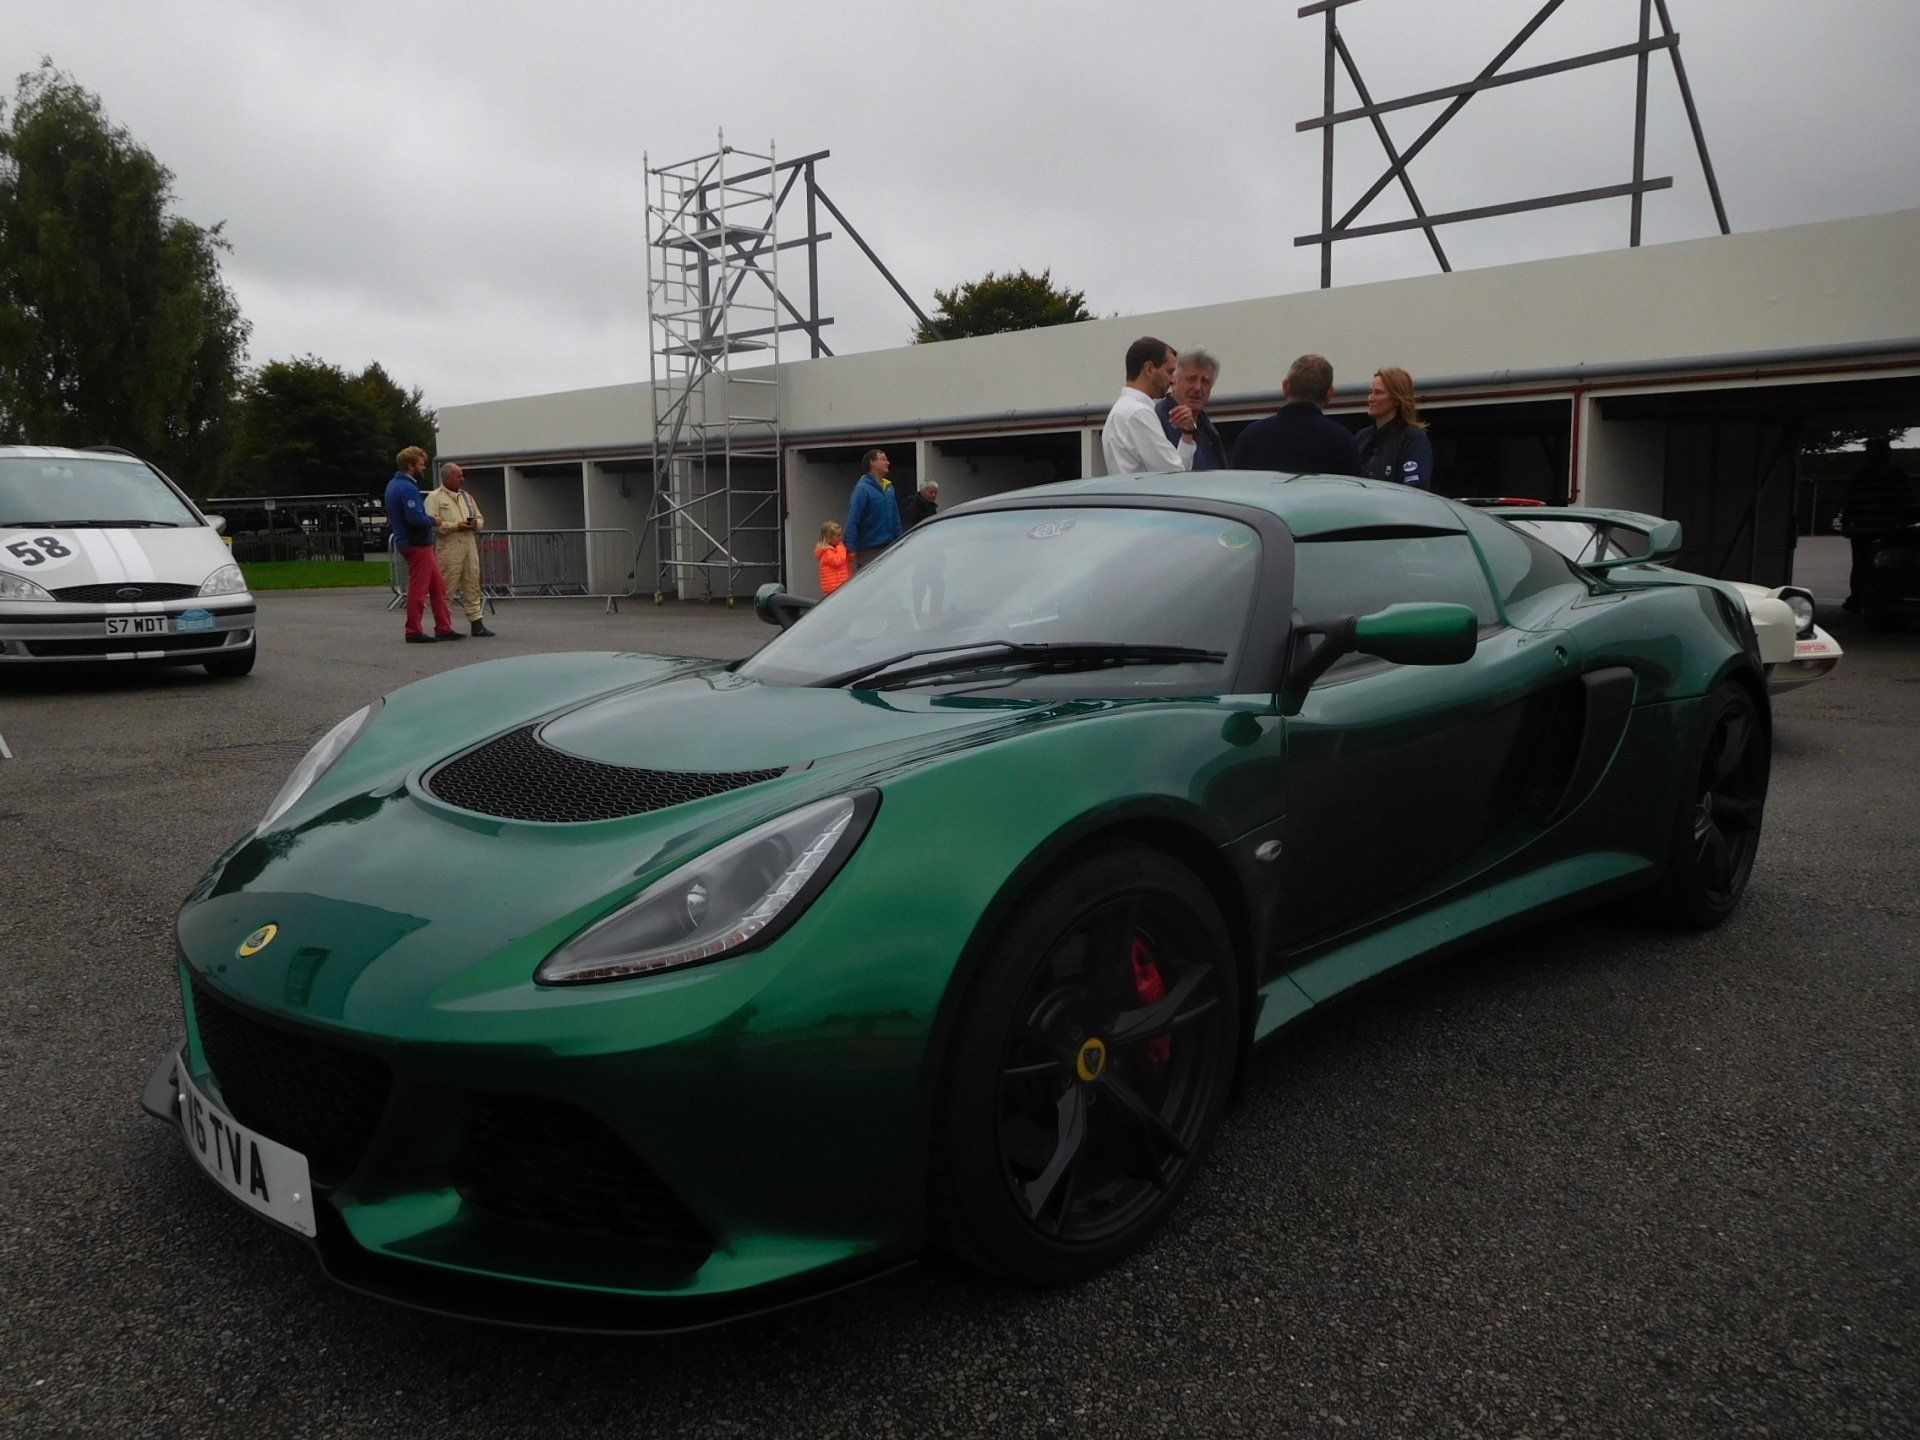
[993,654]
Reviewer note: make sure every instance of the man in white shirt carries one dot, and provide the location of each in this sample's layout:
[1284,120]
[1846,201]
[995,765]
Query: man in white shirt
[1133,440]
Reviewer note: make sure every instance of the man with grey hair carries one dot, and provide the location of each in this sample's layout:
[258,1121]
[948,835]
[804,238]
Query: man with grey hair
[923,504]
[456,527]
[1193,381]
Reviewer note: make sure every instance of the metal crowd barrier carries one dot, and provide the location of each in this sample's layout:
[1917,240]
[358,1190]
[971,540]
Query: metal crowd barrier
[542,564]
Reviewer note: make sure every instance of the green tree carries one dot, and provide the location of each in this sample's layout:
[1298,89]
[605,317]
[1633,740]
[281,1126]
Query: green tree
[306,427]
[998,303]
[404,418]
[115,324]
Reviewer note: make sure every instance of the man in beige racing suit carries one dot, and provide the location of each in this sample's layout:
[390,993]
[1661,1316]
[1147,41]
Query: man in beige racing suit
[456,527]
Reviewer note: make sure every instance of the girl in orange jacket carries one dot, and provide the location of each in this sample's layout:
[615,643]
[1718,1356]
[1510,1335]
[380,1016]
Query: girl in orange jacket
[835,565]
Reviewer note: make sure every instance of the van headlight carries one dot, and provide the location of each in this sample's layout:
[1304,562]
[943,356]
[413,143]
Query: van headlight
[227,580]
[18,587]
[319,759]
[736,897]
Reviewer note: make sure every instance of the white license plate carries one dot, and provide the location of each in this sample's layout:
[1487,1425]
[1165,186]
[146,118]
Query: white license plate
[261,1173]
[137,625]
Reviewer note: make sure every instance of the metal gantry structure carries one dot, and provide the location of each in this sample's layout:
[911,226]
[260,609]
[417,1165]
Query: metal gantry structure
[1490,77]
[717,312]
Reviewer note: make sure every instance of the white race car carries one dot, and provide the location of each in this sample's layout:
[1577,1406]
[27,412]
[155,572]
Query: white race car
[104,559]
[1794,650]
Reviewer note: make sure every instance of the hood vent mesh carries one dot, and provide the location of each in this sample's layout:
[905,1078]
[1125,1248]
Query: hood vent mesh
[518,777]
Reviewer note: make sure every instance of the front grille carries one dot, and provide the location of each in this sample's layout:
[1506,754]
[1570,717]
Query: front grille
[126,590]
[123,645]
[543,1162]
[518,777]
[321,1099]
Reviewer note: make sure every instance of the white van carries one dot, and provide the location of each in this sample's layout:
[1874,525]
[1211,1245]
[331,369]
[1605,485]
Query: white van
[103,558]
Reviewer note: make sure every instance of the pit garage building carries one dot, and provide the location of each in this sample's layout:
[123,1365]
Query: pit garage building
[1677,379]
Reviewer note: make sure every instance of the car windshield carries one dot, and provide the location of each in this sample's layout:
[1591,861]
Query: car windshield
[71,491]
[1581,541]
[1043,602]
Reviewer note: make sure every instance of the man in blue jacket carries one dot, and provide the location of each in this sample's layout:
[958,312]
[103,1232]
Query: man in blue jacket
[873,515]
[412,529]
[1297,437]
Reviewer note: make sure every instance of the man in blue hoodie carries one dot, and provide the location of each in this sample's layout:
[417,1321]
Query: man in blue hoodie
[873,515]
[412,529]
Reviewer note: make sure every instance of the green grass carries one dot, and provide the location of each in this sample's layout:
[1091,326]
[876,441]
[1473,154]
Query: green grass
[314,574]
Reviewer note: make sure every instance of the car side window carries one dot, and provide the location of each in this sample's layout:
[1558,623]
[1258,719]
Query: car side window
[1332,578]
[1522,565]
[1338,577]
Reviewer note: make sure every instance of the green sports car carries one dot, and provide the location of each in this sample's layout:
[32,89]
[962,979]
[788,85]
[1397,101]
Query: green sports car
[952,915]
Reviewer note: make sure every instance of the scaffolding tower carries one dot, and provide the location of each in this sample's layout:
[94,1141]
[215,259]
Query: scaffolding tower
[713,299]
[713,295]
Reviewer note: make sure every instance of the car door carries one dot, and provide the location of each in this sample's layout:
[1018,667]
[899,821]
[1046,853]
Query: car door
[1403,781]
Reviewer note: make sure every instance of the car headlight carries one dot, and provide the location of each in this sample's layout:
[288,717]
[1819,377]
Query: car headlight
[736,897]
[1801,603]
[227,580]
[18,587]
[331,747]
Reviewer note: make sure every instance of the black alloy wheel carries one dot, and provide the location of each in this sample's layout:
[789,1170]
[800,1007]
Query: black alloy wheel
[1090,1069]
[1717,833]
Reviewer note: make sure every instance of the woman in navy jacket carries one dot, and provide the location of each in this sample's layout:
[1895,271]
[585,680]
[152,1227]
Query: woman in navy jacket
[1395,446]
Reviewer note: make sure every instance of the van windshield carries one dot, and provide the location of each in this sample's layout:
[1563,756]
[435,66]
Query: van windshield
[73,491]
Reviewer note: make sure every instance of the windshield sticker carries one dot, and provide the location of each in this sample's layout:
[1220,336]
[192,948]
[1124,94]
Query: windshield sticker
[1236,539]
[1049,530]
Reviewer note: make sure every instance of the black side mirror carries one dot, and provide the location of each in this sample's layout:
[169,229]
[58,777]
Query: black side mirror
[777,607]
[1422,634]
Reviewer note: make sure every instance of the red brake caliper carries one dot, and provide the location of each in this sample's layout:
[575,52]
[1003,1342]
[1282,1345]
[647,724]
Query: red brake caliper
[1151,989]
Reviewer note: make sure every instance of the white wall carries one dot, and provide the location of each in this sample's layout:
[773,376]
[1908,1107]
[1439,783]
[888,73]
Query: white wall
[1839,282]
[1623,463]
[546,502]
[608,509]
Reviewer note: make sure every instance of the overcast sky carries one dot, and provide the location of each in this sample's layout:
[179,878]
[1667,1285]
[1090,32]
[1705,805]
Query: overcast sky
[455,189]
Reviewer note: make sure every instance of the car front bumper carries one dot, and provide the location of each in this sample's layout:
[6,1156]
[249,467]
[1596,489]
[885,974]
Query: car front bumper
[1814,657]
[176,631]
[363,1245]
[551,1167]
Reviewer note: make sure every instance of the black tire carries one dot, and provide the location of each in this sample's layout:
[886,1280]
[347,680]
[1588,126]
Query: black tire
[1070,1118]
[1716,828]
[232,667]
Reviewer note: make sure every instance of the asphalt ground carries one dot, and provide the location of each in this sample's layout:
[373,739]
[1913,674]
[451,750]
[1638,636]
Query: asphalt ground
[1595,1179]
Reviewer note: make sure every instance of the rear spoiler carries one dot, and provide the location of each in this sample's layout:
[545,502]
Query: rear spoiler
[1662,536]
